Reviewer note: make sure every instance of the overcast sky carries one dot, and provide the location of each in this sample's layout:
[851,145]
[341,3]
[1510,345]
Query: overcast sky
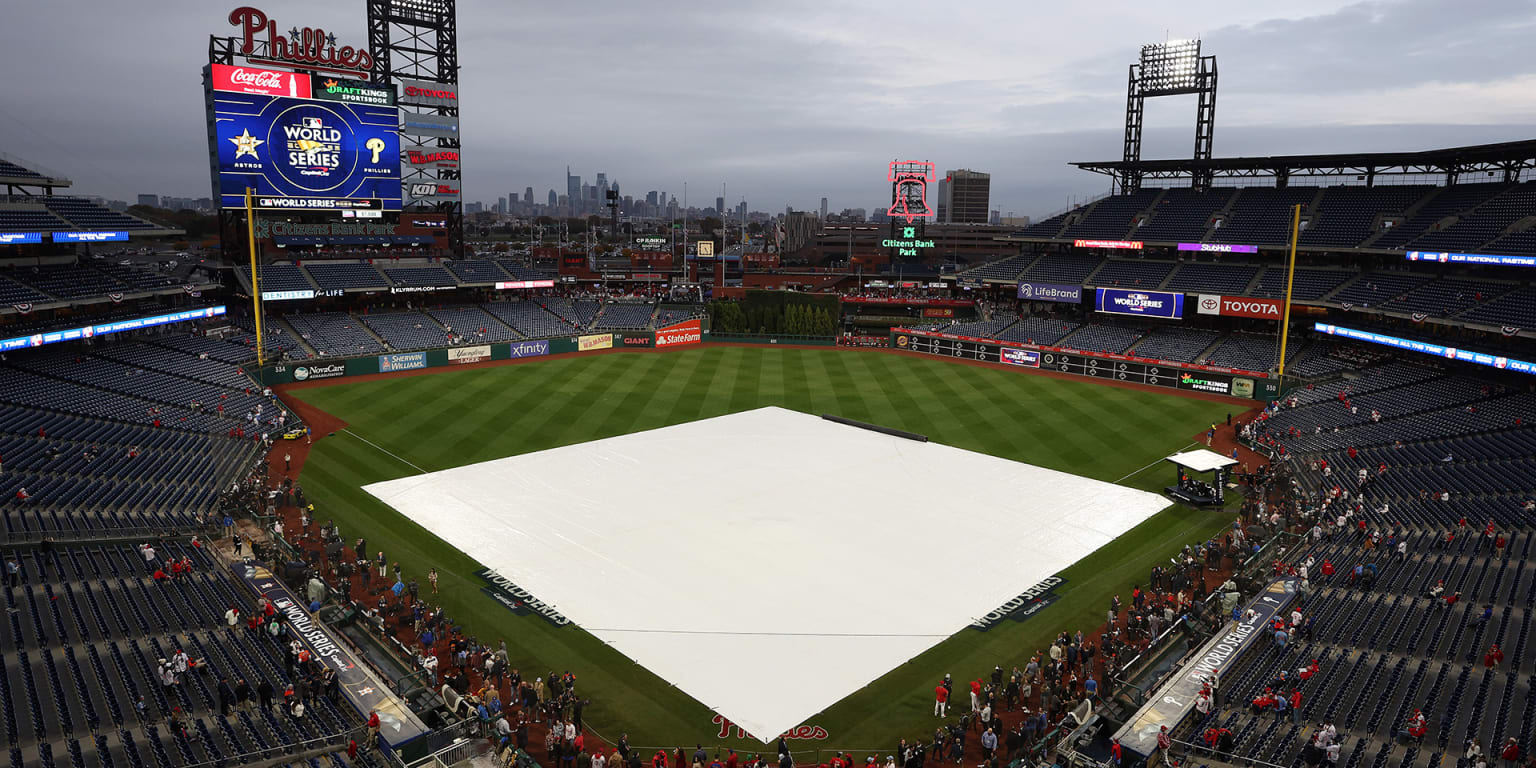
[789,101]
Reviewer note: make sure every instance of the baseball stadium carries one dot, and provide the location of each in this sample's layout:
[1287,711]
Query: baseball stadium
[1233,465]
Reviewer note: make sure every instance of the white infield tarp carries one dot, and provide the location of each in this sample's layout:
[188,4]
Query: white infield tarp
[769,563]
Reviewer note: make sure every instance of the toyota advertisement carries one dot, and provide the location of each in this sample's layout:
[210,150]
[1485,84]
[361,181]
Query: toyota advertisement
[303,154]
[1066,294]
[1123,301]
[1238,306]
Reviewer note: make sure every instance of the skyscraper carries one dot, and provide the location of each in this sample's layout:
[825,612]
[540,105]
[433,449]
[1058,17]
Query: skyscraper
[965,197]
[650,197]
[720,205]
[553,199]
[823,209]
[572,188]
[528,195]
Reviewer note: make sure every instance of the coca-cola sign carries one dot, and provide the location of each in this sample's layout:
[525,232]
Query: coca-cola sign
[306,47]
[269,82]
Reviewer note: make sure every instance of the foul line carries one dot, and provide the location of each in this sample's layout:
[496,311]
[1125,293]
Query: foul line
[759,634]
[387,453]
[1153,464]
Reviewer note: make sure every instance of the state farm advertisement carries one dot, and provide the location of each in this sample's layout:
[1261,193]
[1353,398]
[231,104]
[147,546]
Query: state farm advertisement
[1239,306]
[270,82]
[689,332]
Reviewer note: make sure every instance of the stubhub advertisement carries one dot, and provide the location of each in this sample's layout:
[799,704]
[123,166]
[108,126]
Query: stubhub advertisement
[1124,301]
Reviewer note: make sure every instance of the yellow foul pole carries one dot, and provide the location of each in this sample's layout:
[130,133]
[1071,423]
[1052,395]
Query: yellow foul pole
[1290,281]
[250,231]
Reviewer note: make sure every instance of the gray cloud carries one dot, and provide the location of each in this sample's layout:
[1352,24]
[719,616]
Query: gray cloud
[790,101]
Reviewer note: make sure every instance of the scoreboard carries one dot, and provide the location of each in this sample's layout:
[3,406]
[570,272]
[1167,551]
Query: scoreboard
[1157,374]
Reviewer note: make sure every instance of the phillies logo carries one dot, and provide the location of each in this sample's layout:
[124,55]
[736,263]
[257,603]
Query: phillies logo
[811,732]
[302,46]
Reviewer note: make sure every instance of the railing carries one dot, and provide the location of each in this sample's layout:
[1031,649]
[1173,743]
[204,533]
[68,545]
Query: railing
[334,740]
[457,752]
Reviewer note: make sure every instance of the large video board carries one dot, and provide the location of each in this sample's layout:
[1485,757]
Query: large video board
[305,153]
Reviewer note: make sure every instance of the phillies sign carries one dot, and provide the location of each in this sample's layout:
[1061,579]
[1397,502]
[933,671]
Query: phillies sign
[299,47]
[1239,306]
[268,82]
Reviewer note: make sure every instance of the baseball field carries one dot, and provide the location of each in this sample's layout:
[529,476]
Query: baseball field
[402,426]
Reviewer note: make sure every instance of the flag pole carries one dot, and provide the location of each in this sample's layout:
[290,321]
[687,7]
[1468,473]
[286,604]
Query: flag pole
[1290,282]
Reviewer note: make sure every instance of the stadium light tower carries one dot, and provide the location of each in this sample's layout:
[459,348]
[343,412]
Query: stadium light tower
[1173,68]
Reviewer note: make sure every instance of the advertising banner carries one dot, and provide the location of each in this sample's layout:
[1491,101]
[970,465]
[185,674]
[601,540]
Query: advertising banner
[1220,385]
[1122,301]
[635,340]
[1066,294]
[366,693]
[910,301]
[1239,306]
[408,361]
[509,285]
[462,355]
[938,312]
[90,237]
[266,82]
[687,332]
[430,191]
[426,94]
[437,126]
[1428,348]
[20,238]
[595,341]
[1025,357]
[286,295]
[1171,703]
[1134,245]
[353,92]
[304,154]
[1472,258]
[420,156]
[527,348]
[319,371]
[104,329]
[1218,248]
[515,598]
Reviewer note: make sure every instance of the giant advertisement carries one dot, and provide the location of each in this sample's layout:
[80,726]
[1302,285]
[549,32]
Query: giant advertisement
[1066,294]
[1123,301]
[301,154]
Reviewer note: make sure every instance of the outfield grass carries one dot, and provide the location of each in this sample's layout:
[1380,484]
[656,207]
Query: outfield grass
[453,418]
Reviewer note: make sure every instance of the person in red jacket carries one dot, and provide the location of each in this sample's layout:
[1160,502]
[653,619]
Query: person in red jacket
[976,695]
[1327,567]
[1115,753]
[1494,657]
[1511,752]
[373,725]
[659,760]
[940,700]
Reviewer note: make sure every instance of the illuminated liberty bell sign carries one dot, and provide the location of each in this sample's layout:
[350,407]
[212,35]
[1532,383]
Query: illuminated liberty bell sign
[909,189]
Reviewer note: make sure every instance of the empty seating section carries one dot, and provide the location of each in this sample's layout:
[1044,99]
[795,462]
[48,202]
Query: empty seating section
[521,271]
[1067,268]
[473,324]
[1045,331]
[982,329]
[1179,345]
[617,316]
[1139,273]
[233,350]
[1346,216]
[1516,308]
[9,169]
[279,277]
[87,636]
[1445,297]
[85,214]
[477,271]
[528,318]
[30,219]
[1518,243]
[1183,215]
[1202,277]
[1473,229]
[578,313]
[345,276]
[673,315]
[1377,288]
[1262,215]
[407,330]
[1250,353]
[1093,337]
[1442,202]
[1309,285]
[12,292]
[1003,269]
[70,281]
[334,334]
[138,279]
[1112,217]
[406,277]
[1050,227]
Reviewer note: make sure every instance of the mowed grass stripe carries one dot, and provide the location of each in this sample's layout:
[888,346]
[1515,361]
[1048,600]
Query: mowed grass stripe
[508,410]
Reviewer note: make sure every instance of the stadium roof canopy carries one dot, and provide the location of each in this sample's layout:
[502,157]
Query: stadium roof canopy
[1506,159]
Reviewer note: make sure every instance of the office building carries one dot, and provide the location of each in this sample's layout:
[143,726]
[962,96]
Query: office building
[964,197]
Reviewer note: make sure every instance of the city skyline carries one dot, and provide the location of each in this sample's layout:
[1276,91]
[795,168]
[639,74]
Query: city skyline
[825,111]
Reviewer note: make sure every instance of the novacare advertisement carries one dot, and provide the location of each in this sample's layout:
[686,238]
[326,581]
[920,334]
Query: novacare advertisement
[322,371]
[463,355]
[689,332]
[595,341]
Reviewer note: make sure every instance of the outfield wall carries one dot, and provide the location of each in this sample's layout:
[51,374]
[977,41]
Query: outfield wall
[1158,373]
